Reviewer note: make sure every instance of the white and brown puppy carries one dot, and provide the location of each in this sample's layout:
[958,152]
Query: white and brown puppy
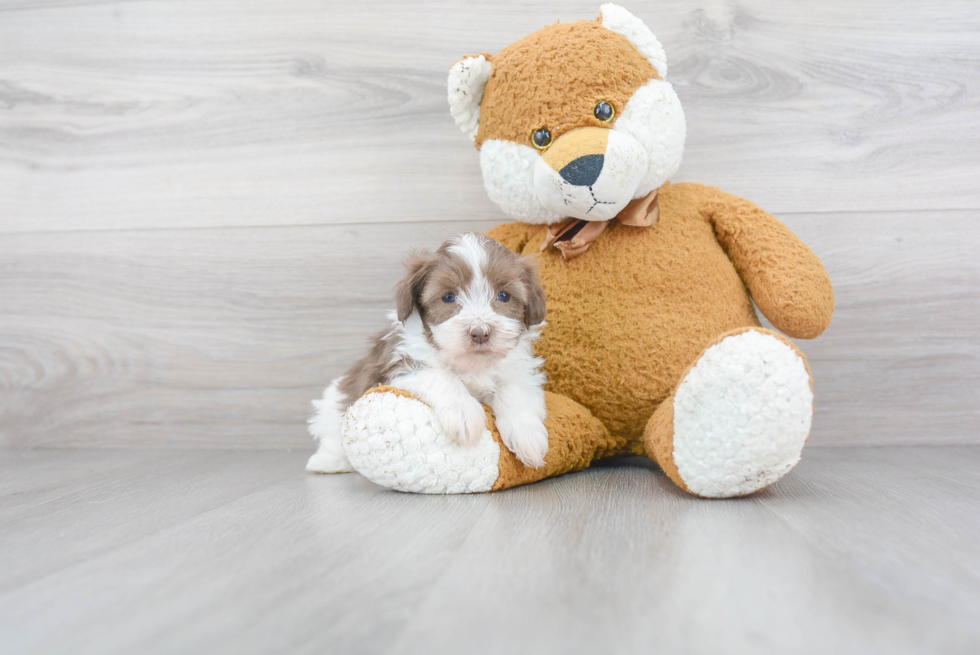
[463,332]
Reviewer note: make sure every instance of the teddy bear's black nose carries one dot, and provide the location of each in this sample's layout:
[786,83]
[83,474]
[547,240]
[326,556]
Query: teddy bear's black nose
[583,171]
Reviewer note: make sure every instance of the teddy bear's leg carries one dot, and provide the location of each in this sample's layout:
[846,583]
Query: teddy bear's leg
[395,440]
[738,419]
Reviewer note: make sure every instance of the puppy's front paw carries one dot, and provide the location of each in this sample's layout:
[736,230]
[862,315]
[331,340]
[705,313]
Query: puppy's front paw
[525,436]
[464,422]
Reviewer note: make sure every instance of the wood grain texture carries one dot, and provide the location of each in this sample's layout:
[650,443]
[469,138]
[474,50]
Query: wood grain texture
[75,491]
[204,203]
[213,566]
[245,112]
[222,337]
[856,551]
[208,337]
[620,561]
[900,363]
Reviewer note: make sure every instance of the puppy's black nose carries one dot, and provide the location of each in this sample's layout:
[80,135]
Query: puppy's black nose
[480,335]
[583,171]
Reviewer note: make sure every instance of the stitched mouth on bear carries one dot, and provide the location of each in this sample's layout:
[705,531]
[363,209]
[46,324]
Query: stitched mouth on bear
[596,201]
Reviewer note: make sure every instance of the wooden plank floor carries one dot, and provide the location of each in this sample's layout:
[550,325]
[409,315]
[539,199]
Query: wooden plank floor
[860,550]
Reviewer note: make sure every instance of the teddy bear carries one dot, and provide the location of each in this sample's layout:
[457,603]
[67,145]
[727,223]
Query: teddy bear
[652,344]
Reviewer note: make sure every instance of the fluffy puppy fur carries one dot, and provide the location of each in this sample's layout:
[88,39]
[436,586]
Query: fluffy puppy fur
[462,334]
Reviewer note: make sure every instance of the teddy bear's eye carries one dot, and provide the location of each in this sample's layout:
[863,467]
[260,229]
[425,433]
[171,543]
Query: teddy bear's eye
[541,138]
[604,111]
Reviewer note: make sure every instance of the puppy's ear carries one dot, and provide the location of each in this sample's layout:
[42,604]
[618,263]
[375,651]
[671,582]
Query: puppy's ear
[409,290]
[534,310]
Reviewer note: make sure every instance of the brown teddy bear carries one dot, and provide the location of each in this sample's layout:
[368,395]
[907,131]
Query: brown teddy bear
[652,345]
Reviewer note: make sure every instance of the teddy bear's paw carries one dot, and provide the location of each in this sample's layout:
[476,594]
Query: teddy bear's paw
[397,442]
[741,415]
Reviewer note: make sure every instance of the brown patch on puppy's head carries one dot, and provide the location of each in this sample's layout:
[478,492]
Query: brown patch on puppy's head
[475,298]
[409,291]
[517,277]
[448,275]
[536,307]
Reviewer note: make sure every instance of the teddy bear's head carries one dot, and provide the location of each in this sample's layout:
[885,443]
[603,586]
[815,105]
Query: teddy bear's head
[574,120]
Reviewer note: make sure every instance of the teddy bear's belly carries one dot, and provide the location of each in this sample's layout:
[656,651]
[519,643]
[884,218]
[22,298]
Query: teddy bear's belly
[627,318]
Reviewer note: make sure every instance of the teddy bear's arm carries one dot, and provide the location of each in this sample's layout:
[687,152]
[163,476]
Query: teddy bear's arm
[786,279]
[513,235]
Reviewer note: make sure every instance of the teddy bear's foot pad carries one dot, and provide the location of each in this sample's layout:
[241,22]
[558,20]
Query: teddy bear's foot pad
[741,415]
[396,441]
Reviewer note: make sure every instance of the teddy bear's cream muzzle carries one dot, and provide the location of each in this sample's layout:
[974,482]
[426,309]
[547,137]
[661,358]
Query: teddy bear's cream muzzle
[590,173]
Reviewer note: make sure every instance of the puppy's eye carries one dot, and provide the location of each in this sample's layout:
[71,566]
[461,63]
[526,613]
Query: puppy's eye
[541,138]
[449,297]
[604,111]
[503,296]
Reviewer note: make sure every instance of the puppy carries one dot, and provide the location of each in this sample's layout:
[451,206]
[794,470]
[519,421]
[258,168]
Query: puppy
[462,334]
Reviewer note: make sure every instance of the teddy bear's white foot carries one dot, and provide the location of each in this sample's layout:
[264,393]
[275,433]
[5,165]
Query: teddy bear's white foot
[396,441]
[741,415]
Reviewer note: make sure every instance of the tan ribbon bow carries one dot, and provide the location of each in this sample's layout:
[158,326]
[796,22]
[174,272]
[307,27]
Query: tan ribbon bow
[573,236]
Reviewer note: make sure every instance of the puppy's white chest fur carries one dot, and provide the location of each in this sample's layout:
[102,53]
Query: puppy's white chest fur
[482,386]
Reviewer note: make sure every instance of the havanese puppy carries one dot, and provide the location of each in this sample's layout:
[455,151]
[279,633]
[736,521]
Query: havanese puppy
[462,334]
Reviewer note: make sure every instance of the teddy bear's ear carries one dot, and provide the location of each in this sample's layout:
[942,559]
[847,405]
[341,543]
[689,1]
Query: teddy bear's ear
[467,78]
[619,20]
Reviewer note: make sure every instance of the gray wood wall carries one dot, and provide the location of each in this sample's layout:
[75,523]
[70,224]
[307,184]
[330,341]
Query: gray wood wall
[203,204]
